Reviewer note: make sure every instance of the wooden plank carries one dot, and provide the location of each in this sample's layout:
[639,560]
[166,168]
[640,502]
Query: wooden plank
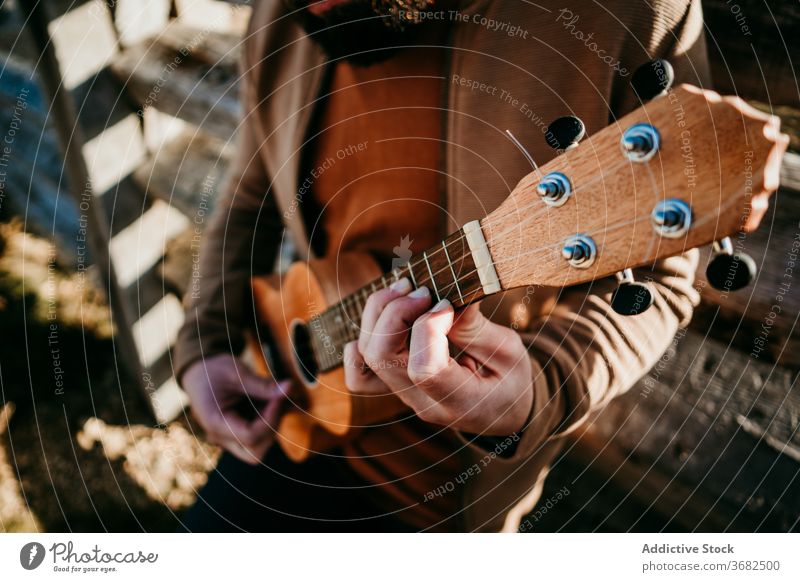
[790,172]
[213,48]
[136,20]
[214,15]
[183,85]
[752,46]
[762,318]
[187,173]
[709,437]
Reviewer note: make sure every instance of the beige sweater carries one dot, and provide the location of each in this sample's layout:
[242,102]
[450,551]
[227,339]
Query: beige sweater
[583,354]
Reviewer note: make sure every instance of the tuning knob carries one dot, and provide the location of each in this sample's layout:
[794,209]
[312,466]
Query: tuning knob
[729,271]
[652,79]
[579,251]
[630,297]
[565,133]
[640,142]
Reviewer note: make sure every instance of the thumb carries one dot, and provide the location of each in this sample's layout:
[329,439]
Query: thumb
[473,333]
[468,326]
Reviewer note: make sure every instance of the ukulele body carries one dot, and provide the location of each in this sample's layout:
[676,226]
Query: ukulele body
[320,412]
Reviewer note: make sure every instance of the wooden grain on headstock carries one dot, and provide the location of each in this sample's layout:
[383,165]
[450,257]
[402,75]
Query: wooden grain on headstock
[717,154]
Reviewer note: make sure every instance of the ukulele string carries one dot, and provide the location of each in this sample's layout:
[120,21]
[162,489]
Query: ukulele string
[341,334]
[353,302]
[488,223]
[352,298]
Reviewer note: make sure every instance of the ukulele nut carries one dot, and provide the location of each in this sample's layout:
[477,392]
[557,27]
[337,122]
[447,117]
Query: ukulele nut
[554,189]
[640,142]
[579,251]
[671,218]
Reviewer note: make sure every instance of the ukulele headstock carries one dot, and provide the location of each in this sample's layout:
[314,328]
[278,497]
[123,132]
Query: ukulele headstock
[687,169]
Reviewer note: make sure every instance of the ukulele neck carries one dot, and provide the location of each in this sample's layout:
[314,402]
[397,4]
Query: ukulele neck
[458,269]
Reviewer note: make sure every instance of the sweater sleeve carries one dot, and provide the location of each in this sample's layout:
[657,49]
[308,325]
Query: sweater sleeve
[241,239]
[583,353]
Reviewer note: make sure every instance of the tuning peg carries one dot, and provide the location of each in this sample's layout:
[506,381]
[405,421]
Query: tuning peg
[630,297]
[729,271]
[640,142]
[565,133]
[652,79]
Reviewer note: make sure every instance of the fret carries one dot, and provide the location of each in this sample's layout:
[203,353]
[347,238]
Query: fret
[452,272]
[411,272]
[433,279]
[347,303]
[449,270]
[458,262]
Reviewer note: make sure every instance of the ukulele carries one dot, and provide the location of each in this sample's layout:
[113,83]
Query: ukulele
[617,202]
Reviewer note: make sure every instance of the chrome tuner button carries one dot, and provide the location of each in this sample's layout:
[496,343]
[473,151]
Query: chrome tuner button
[555,189]
[671,218]
[640,142]
[579,251]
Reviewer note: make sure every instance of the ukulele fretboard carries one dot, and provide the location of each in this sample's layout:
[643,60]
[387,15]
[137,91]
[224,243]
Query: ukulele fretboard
[448,270]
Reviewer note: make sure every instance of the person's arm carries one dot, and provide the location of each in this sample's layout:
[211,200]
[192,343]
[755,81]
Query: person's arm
[240,240]
[583,354]
[543,382]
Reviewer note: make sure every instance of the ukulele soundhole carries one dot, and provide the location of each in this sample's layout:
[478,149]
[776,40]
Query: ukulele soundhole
[303,353]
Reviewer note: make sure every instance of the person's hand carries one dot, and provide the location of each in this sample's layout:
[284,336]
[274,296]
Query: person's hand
[404,347]
[237,409]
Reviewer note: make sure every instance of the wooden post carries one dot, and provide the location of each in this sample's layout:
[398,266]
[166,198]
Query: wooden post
[70,136]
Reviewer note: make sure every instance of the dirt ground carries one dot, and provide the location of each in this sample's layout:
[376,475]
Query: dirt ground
[77,451]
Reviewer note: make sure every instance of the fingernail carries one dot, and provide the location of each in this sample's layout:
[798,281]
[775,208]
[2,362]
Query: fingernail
[442,305]
[284,386]
[401,285]
[419,293]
